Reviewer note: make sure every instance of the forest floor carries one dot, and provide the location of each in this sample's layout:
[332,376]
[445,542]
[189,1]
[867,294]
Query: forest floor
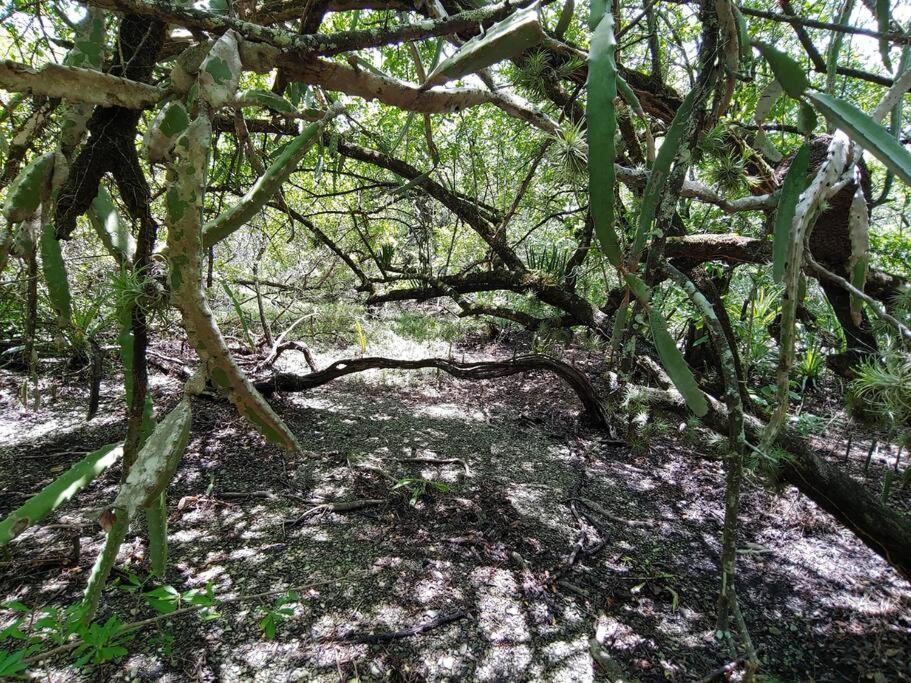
[511,579]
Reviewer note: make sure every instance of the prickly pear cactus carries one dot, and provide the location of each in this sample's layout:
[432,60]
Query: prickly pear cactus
[30,188]
[184,205]
[156,462]
[237,215]
[113,232]
[54,268]
[87,53]
[219,73]
[168,125]
[186,67]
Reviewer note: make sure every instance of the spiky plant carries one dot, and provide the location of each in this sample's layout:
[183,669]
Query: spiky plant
[531,74]
[882,388]
[727,173]
[571,150]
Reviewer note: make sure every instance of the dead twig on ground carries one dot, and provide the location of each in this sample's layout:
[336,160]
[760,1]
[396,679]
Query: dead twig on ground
[341,506]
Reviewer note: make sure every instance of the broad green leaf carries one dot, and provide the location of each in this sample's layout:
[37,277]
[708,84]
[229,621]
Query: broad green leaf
[654,188]
[503,40]
[865,132]
[29,188]
[786,69]
[54,269]
[882,23]
[601,116]
[58,492]
[673,363]
[793,185]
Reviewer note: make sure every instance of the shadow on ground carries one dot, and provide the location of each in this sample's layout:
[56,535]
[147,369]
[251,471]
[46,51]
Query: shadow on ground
[506,546]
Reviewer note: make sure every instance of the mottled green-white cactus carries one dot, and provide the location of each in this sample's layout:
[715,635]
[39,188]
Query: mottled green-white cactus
[168,125]
[157,527]
[264,98]
[234,217]
[54,269]
[147,481]
[87,53]
[117,531]
[156,462]
[860,245]
[186,67]
[58,492]
[220,72]
[184,202]
[30,188]
[113,232]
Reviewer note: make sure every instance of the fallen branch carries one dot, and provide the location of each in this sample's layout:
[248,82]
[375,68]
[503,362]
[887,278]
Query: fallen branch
[882,529]
[341,506]
[480,370]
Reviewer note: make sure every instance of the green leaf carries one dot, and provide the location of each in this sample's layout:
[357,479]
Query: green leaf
[654,188]
[673,363]
[601,116]
[865,132]
[508,38]
[57,492]
[806,119]
[786,69]
[794,183]
[54,269]
[882,24]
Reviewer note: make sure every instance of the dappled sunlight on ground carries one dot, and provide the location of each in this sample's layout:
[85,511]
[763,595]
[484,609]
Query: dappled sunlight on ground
[490,548]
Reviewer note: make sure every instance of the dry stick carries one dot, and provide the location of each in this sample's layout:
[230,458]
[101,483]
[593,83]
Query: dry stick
[875,305]
[136,625]
[341,506]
